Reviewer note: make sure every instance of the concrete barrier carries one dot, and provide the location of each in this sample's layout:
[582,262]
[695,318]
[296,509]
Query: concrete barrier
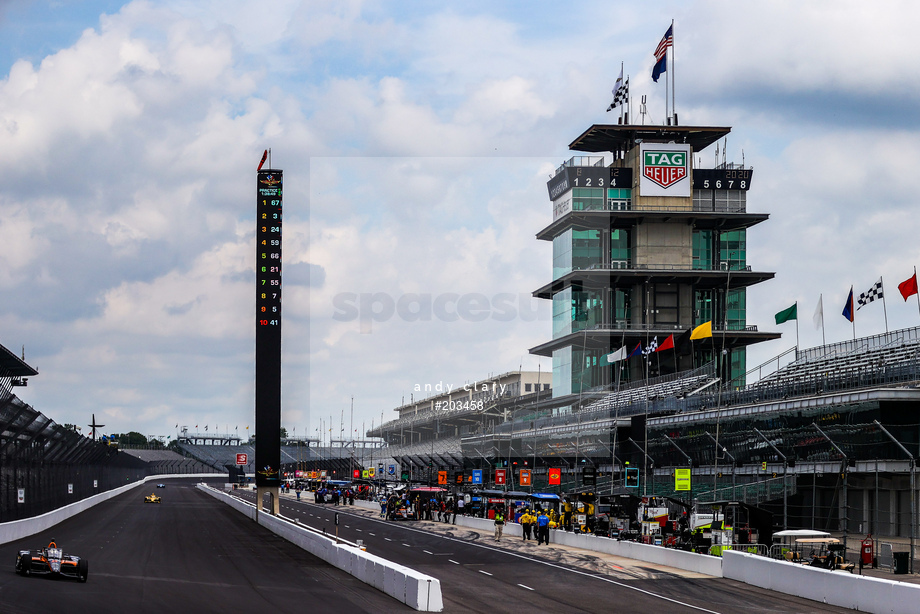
[846,590]
[679,559]
[419,591]
[17,529]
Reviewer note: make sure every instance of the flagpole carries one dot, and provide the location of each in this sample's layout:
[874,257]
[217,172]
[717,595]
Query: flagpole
[673,86]
[622,106]
[884,304]
[667,112]
[852,312]
[915,281]
[796,326]
[628,104]
[823,338]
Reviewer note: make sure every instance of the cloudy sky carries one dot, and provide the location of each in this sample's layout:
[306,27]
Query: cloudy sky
[415,139]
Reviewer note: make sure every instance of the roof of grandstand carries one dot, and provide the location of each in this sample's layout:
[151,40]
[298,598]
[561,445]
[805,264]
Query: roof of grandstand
[12,366]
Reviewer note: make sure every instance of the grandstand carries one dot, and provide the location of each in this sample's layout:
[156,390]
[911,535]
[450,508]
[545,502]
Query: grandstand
[296,454]
[168,462]
[827,439]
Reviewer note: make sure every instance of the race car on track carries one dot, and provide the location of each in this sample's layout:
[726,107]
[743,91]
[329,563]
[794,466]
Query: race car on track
[52,561]
[161,485]
[153,498]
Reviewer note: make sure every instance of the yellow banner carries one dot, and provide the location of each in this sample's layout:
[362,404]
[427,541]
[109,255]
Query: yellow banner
[682,479]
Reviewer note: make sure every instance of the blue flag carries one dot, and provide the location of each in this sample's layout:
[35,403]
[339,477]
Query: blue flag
[637,351]
[848,311]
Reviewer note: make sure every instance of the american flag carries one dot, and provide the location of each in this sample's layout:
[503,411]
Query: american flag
[666,41]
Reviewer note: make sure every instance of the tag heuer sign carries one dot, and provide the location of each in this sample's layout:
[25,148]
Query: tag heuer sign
[665,169]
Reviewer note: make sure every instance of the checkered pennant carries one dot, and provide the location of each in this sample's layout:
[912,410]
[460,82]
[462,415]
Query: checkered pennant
[652,347]
[871,294]
[620,94]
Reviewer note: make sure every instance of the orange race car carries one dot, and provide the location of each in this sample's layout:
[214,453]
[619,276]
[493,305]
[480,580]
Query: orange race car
[52,561]
[153,498]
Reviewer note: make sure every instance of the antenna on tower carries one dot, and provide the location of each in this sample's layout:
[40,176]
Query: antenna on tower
[643,110]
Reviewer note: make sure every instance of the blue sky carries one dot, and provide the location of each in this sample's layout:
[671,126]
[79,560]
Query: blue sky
[416,139]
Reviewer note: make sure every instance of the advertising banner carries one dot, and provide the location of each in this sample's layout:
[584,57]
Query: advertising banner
[664,169]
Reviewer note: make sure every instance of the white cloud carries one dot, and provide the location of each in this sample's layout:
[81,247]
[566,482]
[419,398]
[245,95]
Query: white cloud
[415,143]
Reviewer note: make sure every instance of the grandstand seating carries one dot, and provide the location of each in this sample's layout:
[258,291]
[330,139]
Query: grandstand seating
[169,462]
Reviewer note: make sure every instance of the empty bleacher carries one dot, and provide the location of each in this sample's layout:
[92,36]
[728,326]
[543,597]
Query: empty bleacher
[169,462]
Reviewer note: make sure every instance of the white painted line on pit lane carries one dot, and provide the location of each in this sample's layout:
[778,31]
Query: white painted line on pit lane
[548,564]
[374,534]
[485,572]
[527,587]
[407,545]
[453,561]
[426,552]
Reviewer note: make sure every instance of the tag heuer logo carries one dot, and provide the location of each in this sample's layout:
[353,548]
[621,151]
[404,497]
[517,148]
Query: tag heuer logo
[665,167]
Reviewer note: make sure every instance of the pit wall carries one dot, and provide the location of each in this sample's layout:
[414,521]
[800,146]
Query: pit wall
[688,561]
[17,529]
[417,590]
[846,590]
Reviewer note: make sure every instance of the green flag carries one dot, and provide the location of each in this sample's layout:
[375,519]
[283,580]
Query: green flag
[787,314]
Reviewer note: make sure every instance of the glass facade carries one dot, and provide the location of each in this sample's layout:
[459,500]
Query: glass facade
[731,248]
[620,252]
[562,372]
[730,201]
[619,199]
[576,370]
[588,199]
[575,250]
[575,310]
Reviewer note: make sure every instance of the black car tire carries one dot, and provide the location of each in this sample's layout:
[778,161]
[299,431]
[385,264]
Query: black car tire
[83,570]
[25,564]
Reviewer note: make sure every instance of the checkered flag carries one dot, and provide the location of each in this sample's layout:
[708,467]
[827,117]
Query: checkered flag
[652,347]
[871,294]
[620,94]
[620,91]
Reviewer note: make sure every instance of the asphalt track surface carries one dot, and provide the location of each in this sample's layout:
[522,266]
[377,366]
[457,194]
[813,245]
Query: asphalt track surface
[193,553]
[479,575]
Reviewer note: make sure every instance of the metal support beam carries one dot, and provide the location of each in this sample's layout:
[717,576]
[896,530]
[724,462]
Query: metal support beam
[785,485]
[913,491]
[846,466]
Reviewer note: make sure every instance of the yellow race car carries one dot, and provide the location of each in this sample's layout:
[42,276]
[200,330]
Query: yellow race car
[152,499]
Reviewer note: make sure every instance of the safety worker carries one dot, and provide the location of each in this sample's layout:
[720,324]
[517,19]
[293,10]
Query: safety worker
[527,522]
[499,523]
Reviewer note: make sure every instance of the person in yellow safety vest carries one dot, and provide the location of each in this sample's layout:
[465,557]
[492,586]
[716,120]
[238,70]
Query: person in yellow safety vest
[499,524]
[528,521]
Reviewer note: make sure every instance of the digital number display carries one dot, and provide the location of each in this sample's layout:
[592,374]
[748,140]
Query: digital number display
[588,177]
[722,178]
[269,188]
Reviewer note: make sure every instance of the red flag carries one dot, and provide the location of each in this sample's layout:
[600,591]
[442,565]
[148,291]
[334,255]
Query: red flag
[667,344]
[264,156]
[909,287]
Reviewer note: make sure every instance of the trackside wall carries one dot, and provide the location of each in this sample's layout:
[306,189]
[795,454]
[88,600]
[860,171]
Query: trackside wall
[860,593]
